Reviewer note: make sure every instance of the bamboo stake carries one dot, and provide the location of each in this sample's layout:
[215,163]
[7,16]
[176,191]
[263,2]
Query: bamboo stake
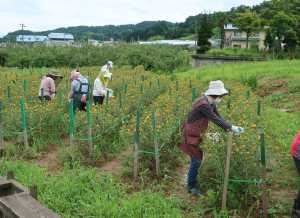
[227,168]
[155,141]
[136,145]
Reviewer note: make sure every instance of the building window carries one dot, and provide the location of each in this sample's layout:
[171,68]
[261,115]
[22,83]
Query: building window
[237,34]
[237,46]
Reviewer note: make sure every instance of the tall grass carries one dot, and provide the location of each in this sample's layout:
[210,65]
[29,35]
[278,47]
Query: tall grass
[239,72]
[83,192]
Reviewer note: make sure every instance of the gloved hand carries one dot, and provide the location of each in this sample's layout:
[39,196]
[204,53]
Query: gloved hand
[237,129]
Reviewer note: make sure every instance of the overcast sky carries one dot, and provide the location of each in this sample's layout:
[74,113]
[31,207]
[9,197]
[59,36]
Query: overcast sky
[40,15]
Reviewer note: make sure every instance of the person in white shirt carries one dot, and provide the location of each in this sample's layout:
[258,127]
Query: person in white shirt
[100,89]
[105,69]
[100,85]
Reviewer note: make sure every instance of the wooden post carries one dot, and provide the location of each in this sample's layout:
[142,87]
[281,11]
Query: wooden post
[156,145]
[34,191]
[136,145]
[227,168]
[264,175]
[1,128]
[23,120]
[90,133]
[190,84]
[71,124]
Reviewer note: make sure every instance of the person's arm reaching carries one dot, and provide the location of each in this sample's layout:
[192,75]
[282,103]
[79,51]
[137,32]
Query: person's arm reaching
[211,115]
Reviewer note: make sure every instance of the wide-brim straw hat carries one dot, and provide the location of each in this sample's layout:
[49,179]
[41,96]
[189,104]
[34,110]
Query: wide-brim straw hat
[216,88]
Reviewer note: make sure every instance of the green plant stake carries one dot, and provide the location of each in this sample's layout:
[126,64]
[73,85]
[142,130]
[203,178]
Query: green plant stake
[25,87]
[262,150]
[90,127]
[158,83]
[125,88]
[264,175]
[120,100]
[155,141]
[142,88]
[194,94]
[229,104]
[61,99]
[177,85]
[258,107]
[1,127]
[9,94]
[23,122]
[150,84]
[190,84]
[248,94]
[72,122]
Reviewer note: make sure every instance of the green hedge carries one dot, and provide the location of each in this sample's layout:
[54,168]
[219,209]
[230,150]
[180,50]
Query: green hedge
[152,57]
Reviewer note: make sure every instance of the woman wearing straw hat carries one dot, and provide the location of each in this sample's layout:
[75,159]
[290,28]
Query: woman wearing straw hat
[203,110]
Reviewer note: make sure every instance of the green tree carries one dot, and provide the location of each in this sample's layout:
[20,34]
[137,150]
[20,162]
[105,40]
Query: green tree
[290,40]
[248,22]
[269,41]
[204,33]
[281,23]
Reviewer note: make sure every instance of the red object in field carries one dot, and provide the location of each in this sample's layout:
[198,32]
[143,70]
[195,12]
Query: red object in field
[83,99]
[295,148]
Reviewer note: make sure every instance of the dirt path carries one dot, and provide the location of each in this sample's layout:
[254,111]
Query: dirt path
[115,165]
[50,159]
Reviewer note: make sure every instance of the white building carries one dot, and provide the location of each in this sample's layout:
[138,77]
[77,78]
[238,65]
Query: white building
[31,38]
[60,39]
[188,43]
[234,38]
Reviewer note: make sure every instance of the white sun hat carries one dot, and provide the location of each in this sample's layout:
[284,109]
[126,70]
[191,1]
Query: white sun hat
[216,88]
[110,63]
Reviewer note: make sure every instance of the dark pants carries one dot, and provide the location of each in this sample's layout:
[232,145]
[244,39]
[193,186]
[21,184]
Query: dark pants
[297,200]
[193,172]
[98,100]
[45,98]
[78,104]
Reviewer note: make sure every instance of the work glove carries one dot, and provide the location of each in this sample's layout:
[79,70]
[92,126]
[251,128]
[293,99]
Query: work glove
[237,130]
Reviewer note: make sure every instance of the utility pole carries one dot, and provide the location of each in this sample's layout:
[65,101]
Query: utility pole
[22,32]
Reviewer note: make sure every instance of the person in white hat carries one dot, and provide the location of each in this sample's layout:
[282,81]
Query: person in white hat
[100,88]
[105,70]
[203,110]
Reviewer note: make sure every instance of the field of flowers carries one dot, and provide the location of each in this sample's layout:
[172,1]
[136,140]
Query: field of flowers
[147,112]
